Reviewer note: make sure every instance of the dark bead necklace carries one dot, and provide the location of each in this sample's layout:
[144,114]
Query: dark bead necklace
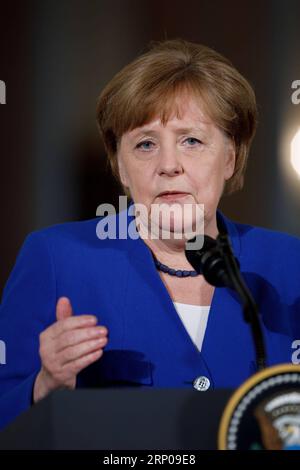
[173,272]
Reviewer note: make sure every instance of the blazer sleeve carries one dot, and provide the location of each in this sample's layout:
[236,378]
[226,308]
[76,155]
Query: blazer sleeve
[27,308]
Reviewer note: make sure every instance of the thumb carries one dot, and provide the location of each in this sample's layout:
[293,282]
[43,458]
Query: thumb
[63,308]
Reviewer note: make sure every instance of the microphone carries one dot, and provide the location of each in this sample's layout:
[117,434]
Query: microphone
[209,262]
[216,261]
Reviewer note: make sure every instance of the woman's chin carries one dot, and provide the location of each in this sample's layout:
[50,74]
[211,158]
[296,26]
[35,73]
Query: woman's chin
[176,230]
[178,218]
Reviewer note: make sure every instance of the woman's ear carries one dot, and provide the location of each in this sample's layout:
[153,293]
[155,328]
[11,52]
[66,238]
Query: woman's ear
[230,159]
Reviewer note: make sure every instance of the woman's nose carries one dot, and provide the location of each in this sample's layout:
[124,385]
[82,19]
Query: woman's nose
[169,162]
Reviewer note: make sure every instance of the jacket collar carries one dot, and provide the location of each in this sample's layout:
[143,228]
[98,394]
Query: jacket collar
[232,231]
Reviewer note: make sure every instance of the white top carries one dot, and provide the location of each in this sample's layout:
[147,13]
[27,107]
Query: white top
[194,318]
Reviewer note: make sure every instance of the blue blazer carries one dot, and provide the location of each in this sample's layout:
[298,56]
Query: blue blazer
[116,280]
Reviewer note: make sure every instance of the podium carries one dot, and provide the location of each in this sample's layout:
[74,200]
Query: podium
[119,419]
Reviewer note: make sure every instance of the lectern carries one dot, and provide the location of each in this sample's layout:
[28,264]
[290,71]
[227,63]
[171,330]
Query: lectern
[119,419]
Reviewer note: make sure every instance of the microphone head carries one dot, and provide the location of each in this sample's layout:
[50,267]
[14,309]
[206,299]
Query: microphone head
[195,256]
[209,261]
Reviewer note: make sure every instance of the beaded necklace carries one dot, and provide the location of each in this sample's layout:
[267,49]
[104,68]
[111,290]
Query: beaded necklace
[174,272]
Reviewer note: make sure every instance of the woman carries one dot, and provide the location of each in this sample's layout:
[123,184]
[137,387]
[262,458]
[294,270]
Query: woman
[80,311]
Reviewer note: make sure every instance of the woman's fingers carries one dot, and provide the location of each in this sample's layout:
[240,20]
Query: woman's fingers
[79,321]
[72,353]
[79,335]
[82,362]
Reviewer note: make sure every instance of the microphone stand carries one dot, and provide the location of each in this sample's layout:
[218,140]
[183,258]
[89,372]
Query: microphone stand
[250,310]
[220,268]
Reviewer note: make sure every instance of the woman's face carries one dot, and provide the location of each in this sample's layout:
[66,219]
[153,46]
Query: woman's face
[189,155]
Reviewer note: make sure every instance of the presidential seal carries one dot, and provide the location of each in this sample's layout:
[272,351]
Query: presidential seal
[264,413]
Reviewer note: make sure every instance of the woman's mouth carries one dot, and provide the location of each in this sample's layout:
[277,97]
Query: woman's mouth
[172,195]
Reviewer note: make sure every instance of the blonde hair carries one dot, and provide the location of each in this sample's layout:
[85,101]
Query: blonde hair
[148,87]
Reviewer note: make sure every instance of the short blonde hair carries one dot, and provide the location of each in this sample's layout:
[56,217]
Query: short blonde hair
[148,87]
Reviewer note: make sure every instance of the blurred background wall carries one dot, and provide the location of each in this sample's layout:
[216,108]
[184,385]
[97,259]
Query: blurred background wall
[55,57]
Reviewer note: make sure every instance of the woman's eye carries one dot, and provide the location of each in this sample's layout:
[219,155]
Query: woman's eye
[146,145]
[193,141]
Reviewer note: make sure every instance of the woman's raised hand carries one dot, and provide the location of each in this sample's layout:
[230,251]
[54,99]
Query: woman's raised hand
[66,347]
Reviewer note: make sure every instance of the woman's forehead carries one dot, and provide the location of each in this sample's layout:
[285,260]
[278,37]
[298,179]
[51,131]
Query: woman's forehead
[185,114]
